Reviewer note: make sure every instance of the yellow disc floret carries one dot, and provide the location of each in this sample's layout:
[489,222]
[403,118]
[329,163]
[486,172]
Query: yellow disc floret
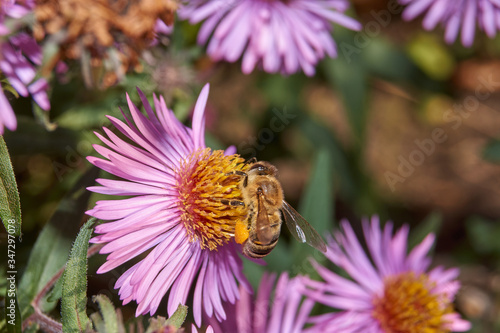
[209,194]
[409,305]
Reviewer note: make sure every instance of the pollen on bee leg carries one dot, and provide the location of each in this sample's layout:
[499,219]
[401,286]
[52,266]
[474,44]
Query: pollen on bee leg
[206,182]
[241,232]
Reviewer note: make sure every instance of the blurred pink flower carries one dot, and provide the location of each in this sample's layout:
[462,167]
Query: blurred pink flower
[173,214]
[7,116]
[390,290]
[455,16]
[278,35]
[286,311]
[161,30]
[19,56]
[195,330]
[15,8]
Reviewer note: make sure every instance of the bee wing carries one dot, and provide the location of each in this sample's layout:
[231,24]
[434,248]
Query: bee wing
[263,226]
[301,229]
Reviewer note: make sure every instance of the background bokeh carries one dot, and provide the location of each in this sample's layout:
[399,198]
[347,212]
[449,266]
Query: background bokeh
[401,125]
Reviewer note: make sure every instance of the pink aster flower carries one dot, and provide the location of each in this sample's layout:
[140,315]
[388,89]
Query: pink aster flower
[7,116]
[19,56]
[389,290]
[456,16]
[278,35]
[175,214]
[15,9]
[285,310]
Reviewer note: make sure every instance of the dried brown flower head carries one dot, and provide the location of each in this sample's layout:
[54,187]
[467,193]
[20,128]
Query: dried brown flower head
[106,35]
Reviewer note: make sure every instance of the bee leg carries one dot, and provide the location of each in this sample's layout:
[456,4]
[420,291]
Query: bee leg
[240,173]
[232,202]
[237,172]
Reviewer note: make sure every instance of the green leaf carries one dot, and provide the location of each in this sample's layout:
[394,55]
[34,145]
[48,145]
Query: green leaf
[5,85]
[159,323]
[317,207]
[317,202]
[74,291]
[350,79]
[56,293]
[109,320]
[12,313]
[51,249]
[42,117]
[432,223]
[321,137]
[98,322]
[51,49]
[178,317]
[10,208]
[492,151]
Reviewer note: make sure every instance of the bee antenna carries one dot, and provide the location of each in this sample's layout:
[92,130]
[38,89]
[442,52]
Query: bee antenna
[251,161]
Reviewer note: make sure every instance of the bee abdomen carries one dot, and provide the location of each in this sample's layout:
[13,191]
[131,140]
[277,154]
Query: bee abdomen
[254,250]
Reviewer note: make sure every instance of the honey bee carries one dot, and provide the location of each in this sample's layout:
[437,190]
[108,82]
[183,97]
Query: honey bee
[263,196]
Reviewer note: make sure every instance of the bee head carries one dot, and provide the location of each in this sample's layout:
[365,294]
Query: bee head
[263,169]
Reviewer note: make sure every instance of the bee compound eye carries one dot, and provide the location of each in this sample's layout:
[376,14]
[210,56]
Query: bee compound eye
[260,169]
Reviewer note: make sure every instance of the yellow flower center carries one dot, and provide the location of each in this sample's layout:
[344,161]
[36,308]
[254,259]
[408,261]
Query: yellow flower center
[209,194]
[408,305]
